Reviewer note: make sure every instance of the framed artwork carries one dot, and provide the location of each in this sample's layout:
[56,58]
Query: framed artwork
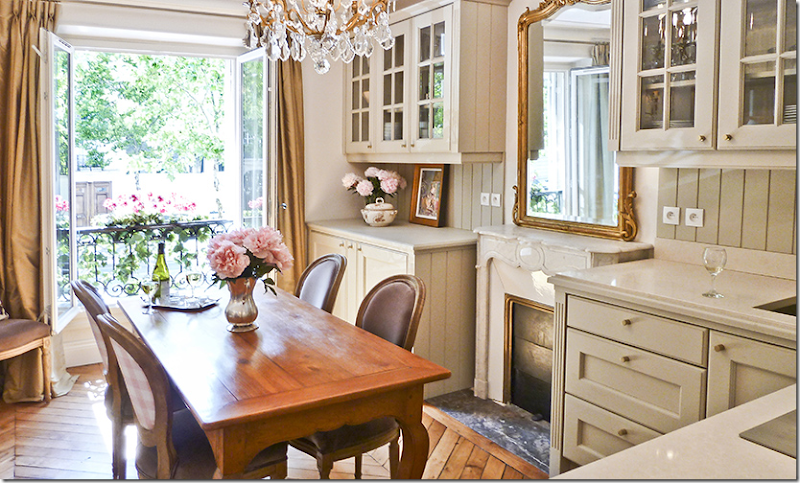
[426,201]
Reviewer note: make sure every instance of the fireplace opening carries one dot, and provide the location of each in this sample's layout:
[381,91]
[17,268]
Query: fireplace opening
[529,355]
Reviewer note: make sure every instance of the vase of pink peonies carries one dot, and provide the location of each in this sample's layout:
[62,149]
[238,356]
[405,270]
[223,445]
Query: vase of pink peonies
[376,187]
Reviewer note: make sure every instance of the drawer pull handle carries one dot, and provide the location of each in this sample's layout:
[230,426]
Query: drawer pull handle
[627,322]
[625,359]
[719,347]
[622,432]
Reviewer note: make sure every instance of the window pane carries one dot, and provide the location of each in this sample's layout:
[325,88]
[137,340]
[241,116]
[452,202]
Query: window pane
[684,36]
[399,50]
[438,121]
[790,91]
[425,83]
[652,103]
[253,135]
[438,40]
[681,102]
[438,80]
[761,24]
[790,34]
[653,42]
[62,180]
[759,93]
[424,44]
[424,124]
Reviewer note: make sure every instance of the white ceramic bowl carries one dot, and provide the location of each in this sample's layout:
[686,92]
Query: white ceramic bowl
[379,213]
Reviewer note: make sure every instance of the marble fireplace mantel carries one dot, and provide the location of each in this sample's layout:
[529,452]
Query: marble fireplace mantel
[517,261]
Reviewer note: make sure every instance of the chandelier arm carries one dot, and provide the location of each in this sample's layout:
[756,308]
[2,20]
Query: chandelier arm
[359,19]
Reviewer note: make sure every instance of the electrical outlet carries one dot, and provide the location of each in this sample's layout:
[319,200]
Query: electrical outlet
[496,200]
[672,215]
[484,199]
[694,217]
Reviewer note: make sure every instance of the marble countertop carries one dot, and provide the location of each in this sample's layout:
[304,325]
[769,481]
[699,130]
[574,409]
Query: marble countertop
[563,240]
[708,449]
[400,235]
[678,287]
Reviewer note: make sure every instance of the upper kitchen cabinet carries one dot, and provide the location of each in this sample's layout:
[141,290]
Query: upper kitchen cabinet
[758,75]
[439,93]
[709,75]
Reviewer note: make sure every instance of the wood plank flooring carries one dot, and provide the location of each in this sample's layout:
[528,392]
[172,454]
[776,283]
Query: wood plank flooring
[71,439]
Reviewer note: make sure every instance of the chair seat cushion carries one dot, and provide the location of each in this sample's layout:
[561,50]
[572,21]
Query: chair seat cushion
[348,436]
[195,457]
[18,332]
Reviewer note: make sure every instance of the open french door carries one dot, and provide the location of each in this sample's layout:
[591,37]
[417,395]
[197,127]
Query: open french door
[57,194]
[256,120]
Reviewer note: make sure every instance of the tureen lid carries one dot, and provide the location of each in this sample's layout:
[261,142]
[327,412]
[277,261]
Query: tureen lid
[379,205]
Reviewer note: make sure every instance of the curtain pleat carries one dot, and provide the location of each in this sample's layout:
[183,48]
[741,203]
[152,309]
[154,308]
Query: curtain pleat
[291,169]
[21,284]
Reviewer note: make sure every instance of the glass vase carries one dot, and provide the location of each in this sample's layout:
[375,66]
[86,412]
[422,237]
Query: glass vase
[241,310]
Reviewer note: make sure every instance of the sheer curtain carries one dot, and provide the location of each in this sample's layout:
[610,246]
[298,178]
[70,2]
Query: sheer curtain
[21,286]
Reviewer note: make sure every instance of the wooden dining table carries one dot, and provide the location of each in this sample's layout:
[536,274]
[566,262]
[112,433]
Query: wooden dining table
[302,371]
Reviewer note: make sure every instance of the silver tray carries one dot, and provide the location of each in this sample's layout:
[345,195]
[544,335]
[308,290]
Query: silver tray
[178,302]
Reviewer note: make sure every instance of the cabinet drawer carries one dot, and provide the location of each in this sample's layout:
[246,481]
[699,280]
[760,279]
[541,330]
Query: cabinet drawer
[658,392]
[591,433]
[662,336]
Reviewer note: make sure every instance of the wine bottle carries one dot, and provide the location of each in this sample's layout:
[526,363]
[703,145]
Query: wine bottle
[161,275]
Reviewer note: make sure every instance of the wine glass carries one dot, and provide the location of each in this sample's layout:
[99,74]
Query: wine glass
[714,259]
[193,279]
[150,287]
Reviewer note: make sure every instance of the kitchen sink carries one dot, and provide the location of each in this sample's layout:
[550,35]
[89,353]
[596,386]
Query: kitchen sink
[786,306]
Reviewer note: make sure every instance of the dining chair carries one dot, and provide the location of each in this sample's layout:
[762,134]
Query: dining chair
[116,399]
[391,310]
[320,281]
[18,336]
[172,445]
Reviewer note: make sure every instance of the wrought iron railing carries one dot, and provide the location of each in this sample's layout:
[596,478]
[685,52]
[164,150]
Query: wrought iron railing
[117,259]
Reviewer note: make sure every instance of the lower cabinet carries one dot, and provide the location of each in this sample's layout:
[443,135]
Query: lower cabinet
[444,258]
[630,376]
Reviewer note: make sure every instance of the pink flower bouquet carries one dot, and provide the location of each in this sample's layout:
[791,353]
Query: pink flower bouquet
[377,183]
[248,252]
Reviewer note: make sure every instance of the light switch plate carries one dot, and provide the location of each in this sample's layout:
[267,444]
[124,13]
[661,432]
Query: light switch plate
[484,199]
[694,217]
[672,215]
[496,200]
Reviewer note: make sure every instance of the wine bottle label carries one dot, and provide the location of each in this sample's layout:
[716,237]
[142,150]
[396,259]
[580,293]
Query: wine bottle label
[162,293]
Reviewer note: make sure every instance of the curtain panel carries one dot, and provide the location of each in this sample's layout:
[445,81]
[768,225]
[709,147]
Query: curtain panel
[21,286]
[291,169]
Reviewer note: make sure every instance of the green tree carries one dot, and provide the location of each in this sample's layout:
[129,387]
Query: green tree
[161,113]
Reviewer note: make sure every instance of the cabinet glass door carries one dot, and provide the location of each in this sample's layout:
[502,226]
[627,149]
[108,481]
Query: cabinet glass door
[358,128]
[392,87]
[759,69]
[431,90]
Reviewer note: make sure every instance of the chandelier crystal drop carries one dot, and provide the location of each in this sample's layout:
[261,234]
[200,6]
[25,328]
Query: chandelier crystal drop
[319,29]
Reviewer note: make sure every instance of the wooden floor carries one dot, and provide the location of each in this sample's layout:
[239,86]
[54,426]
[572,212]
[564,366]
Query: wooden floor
[71,439]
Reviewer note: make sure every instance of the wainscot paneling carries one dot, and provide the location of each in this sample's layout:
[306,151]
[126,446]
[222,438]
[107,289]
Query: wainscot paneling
[753,209]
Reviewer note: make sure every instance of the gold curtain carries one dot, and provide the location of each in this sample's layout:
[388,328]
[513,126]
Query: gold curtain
[291,169]
[21,286]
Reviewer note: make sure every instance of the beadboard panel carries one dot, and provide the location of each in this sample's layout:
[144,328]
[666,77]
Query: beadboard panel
[753,209]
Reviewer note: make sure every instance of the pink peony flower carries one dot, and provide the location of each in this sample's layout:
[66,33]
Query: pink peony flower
[390,185]
[372,172]
[350,179]
[262,241]
[364,187]
[228,260]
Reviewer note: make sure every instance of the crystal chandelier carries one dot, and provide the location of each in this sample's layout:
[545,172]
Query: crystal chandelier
[336,29]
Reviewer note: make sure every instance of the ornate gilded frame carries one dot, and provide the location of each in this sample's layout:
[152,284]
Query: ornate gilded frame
[626,228]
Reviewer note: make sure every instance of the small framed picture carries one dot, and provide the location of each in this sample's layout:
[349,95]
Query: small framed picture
[426,203]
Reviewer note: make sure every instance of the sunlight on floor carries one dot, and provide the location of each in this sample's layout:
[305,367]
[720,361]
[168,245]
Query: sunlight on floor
[96,393]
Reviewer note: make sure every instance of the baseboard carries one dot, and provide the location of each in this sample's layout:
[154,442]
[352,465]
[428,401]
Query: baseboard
[81,353]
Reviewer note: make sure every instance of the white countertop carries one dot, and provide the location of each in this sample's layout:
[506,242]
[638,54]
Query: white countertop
[678,288]
[562,240]
[708,449]
[400,235]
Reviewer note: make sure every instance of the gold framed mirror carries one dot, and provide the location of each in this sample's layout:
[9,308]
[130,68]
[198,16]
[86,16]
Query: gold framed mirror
[567,177]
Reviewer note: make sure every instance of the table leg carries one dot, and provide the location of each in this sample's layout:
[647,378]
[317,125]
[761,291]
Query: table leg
[415,438]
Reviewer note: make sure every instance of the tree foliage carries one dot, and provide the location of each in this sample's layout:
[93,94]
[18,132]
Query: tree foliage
[161,114]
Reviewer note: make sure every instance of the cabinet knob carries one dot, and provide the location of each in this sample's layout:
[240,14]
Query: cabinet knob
[350,245]
[403,145]
[622,432]
[369,146]
[341,244]
[359,249]
[701,138]
[719,348]
[625,359]
[627,322]
[728,137]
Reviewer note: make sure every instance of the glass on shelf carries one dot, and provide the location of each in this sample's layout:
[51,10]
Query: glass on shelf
[684,37]
[790,91]
[425,83]
[398,124]
[438,40]
[387,125]
[790,28]
[424,122]
[652,102]
[653,42]
[761,25]
[424,44]
[759,93]
[682,99]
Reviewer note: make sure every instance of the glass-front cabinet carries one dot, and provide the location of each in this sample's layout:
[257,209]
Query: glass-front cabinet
[758,74]
[359,134]
[670,83]
[432,81]
[393,91]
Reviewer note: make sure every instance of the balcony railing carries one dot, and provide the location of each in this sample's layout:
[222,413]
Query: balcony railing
[117,259]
